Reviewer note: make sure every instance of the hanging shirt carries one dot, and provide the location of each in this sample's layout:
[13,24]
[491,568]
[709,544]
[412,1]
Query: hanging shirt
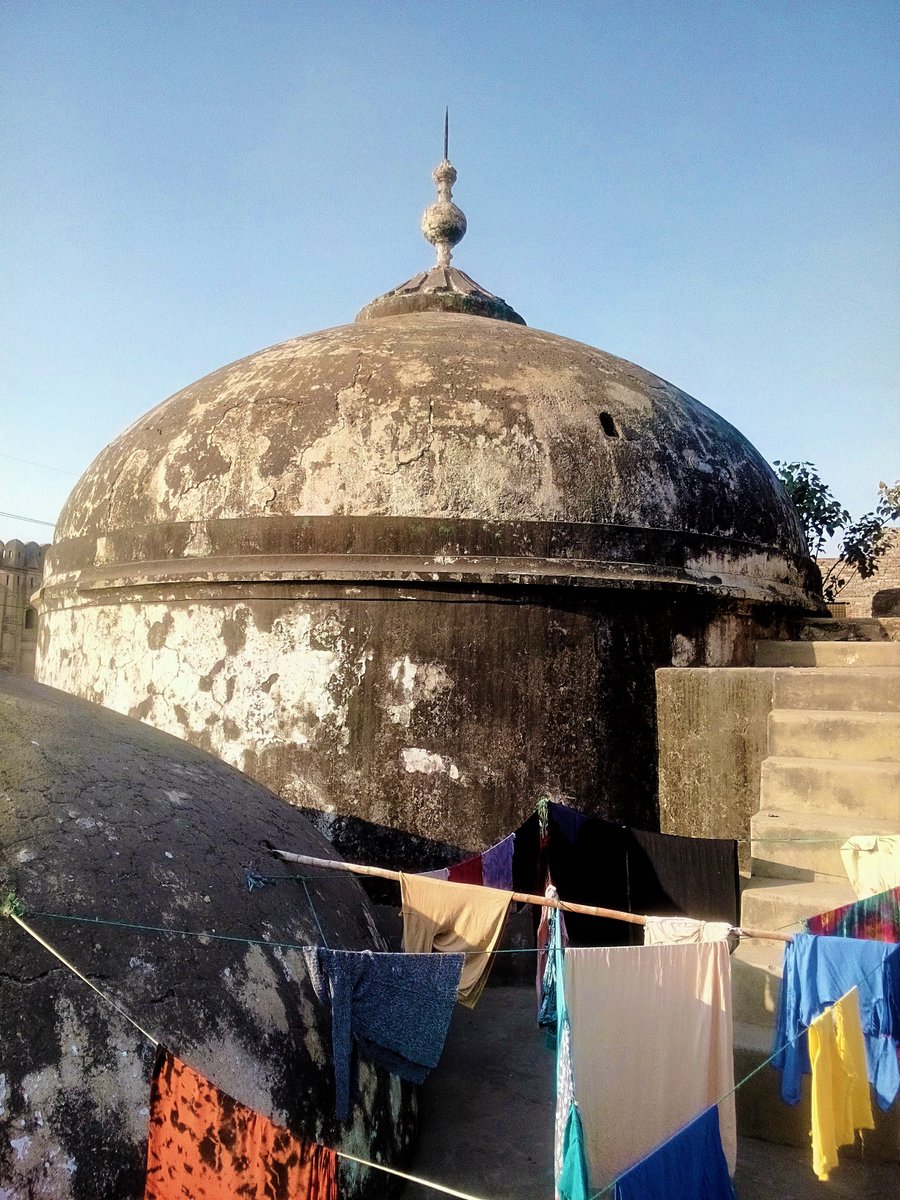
[395,1007]
[872,864]
[876,918]
[840,1089]
[454,918]
[817,972]
[652,1047]
[690,1166]
[203,1145]
[672,931]
[496,864]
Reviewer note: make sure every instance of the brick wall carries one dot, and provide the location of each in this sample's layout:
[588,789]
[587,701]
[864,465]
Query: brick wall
[859,592]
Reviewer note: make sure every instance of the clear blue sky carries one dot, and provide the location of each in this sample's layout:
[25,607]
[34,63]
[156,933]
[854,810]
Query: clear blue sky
[708,189]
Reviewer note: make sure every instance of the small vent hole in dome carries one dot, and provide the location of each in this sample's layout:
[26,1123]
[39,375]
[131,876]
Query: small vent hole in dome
[608,425]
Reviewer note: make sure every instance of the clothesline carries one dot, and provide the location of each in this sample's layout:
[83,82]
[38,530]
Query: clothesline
[589,910]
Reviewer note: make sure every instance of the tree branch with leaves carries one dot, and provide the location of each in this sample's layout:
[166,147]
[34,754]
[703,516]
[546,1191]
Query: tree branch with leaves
[863,541]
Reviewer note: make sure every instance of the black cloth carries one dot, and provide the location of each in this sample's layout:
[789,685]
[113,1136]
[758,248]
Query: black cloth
[592,861]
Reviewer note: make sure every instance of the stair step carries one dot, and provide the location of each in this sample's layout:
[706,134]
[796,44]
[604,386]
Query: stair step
[814,733]
[827,654]
[763,1114]
[875,689]
[755,980]
[781,905]
[790,845]
[850,629]
[832,786]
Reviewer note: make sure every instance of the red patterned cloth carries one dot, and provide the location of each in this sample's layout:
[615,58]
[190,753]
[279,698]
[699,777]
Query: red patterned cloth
[876,918]
[206,1146]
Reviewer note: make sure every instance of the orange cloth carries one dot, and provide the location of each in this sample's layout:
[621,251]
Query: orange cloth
[206,1146]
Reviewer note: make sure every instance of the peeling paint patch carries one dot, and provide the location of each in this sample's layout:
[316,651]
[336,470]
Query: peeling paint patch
[416,759]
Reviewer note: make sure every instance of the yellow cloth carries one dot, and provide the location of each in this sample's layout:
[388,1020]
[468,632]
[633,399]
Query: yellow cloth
[453,918]
[840,1086]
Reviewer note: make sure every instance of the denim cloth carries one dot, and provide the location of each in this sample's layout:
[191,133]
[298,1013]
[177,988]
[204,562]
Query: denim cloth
[817,972]
[689,1166]
[396,1007]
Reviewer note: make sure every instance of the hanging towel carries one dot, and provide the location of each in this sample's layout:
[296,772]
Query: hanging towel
[467,871]
[396,1007]
[840,1089]
[670,931]
[690,1166]
[204,1145]
[872,864]
[876,918]
[817,972]
[592,861]
[496,864]
[573,1178]
[454,918]
[651,1047]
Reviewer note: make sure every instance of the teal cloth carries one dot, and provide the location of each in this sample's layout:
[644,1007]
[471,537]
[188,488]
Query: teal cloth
[573,1179]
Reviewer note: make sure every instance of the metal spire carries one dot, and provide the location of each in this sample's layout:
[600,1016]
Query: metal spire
[443,223]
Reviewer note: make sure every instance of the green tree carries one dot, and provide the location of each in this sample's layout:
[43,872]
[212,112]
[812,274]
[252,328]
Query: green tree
[863,541]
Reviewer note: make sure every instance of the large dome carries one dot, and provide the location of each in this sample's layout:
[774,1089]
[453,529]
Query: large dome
[434,445]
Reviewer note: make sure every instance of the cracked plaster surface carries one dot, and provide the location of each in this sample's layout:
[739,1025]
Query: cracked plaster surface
[101,816]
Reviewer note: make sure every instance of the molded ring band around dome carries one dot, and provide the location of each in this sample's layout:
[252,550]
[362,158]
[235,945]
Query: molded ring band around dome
[424,550]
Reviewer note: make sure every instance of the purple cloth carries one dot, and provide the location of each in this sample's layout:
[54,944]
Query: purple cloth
[496,864]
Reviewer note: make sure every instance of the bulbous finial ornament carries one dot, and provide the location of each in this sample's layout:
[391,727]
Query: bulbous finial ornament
[443,223]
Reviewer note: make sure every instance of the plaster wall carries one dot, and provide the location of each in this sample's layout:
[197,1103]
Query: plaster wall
[712,730]
[437,713]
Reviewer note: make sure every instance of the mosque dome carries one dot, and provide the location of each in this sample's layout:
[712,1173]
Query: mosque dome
[102,817]
[416,570]
[435,444]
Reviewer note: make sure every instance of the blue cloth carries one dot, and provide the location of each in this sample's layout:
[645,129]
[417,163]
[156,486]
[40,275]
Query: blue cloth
[817,972]
[497,864]
[689,1166]
[396,1007]
[573,1178]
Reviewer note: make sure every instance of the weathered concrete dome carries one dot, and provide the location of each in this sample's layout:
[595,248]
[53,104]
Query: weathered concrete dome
[433,446]
[101,816]
[414,572]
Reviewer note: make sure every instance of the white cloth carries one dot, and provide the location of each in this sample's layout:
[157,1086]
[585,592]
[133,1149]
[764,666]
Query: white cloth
[652,1047]
[872,863]
[670,931]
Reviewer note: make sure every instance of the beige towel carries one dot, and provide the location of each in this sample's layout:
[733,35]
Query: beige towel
[872,863]
[670,931]
[454,917]
[651,1047]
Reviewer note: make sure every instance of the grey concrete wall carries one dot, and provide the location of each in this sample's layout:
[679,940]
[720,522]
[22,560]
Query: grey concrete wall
[712,740]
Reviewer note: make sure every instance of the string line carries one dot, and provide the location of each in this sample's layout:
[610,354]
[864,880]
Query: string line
[8,910]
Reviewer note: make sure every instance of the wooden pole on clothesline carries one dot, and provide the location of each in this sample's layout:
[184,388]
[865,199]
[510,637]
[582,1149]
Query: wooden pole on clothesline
[589,910]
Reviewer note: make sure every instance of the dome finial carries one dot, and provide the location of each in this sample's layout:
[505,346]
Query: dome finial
[443,223]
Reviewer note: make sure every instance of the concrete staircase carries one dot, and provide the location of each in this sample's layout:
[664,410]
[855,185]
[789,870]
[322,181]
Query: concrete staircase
[832,770]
